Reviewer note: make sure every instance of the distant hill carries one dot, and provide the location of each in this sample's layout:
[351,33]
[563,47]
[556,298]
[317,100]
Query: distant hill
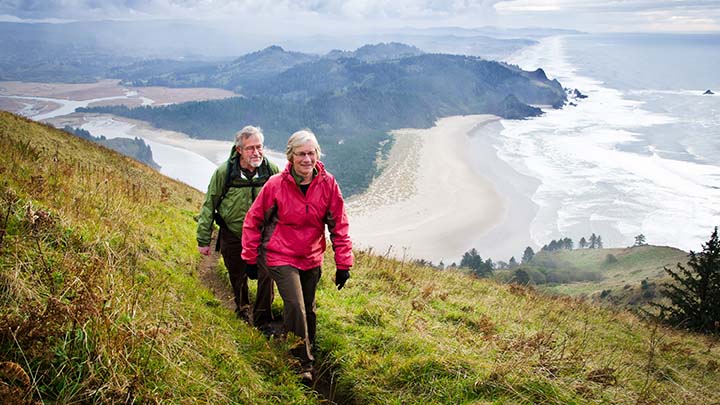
[377,52]
[103,302]
[449,84]
[247,70]
[627,277]
[255,66]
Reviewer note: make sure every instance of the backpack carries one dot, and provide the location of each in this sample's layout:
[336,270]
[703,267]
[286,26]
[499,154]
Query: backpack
[229,183]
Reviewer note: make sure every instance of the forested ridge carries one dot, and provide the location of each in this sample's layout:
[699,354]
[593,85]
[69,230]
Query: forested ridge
[352,104]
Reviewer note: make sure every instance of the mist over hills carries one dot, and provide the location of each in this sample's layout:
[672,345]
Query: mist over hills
[233,75]
[84,51]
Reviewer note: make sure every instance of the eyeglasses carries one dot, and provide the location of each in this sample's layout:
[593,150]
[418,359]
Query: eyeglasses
[303,155]
[252,148]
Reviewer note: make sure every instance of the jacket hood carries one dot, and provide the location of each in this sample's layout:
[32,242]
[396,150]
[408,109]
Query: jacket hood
[233,153]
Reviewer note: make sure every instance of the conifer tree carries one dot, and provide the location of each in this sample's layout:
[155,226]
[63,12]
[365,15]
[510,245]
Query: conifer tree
[598,242]
[593,241]
[520,276]
[582,243]
[695,292]
[640,240]
[528,255]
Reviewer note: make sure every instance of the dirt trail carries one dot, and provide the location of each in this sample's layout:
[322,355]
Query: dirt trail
[214,280]
[217,283]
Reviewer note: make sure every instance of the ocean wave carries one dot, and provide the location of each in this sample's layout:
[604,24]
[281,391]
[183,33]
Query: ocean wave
[600,171]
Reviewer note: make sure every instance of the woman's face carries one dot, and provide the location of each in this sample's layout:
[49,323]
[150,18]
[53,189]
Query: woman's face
[304,159]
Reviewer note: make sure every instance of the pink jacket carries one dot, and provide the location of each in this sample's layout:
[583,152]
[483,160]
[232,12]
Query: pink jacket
[290,227]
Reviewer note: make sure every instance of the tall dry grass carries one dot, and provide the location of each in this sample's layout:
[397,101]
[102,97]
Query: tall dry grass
[99,299]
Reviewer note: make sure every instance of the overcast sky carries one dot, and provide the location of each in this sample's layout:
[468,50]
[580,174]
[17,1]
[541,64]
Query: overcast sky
[365,15]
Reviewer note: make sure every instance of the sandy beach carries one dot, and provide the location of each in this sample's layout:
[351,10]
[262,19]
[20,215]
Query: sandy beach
[430,202]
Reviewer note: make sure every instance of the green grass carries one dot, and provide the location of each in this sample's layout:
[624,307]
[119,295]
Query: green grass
[101,303]
[99,289]
[406,334]
[625,269]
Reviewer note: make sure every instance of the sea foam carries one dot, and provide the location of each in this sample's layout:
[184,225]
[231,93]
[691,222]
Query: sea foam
[599,173]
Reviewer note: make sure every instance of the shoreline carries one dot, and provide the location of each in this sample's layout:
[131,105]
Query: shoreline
[513,233]
[434,201]
[215,151]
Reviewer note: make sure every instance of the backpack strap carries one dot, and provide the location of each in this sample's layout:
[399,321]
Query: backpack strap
[263,171]
[215,216]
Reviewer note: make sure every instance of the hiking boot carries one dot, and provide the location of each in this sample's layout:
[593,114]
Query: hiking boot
[267,330]
[243,314]
[306,376]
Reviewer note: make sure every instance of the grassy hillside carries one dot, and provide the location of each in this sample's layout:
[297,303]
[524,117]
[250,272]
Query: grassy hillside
[619,275]
[99,296]
[101,302]
[612,269]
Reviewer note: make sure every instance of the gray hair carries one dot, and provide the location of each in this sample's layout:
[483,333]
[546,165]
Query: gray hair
[246,133]
[300,138]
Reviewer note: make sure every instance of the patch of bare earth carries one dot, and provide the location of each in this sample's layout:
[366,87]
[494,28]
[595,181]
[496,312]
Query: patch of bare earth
[112,88]
[166,95]
[69,91]
[212,279]
[35,106]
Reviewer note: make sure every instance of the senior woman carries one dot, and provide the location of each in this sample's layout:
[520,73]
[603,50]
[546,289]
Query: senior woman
[286,224]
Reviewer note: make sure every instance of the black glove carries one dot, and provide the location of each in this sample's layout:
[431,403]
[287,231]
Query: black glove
[341,276]
[251,270]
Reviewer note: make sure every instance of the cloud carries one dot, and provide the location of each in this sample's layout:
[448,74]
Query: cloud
[617,6]
[616,15]
[591,15]
[351,9]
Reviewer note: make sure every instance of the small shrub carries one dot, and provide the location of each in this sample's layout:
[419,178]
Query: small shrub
[610,259]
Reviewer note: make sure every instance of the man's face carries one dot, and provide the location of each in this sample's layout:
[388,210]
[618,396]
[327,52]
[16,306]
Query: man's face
[251,152]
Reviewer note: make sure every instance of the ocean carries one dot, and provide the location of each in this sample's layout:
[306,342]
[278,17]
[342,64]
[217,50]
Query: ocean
[639,155]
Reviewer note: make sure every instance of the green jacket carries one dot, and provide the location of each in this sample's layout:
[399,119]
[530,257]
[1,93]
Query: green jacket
[240,196]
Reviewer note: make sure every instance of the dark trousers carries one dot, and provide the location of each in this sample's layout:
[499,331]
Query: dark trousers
[297,289]
[231,248]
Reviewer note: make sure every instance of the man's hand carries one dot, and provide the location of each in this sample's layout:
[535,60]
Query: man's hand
[341,276]
[204,250]
[252,271]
